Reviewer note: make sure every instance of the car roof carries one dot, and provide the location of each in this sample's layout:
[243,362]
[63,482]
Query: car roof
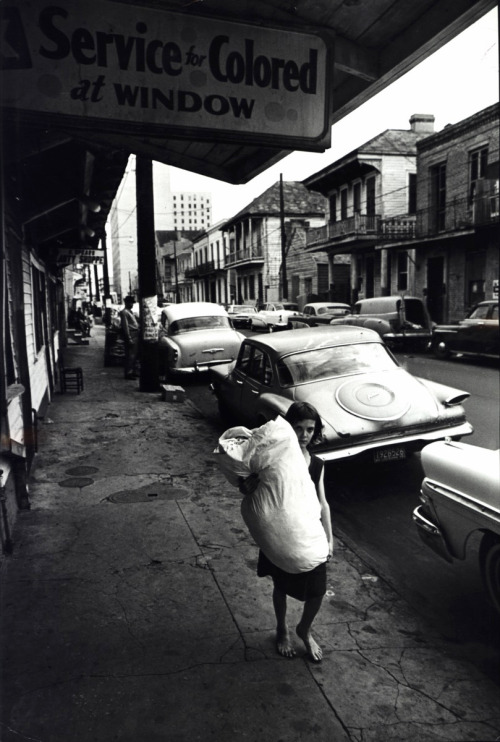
[194,309]
[317,304]
[289,341]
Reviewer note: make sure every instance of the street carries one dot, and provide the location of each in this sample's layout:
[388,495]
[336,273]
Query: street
[372,513]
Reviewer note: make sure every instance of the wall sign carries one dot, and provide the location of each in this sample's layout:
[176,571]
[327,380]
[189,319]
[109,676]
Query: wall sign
[114,65]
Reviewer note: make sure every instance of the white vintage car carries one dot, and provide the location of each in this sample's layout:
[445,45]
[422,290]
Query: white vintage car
[460,495]
[194,336]
[274,316]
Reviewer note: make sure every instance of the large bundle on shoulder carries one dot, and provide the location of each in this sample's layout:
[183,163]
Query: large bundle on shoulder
[283,515]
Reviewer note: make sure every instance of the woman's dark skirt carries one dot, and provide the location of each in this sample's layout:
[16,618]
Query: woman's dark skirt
[301,586]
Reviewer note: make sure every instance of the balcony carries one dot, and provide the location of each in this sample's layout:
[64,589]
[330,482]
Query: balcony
[362,226]
[247,255]
[204,269]
[458,215]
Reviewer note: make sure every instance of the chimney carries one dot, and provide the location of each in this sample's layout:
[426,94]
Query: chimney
[422,123]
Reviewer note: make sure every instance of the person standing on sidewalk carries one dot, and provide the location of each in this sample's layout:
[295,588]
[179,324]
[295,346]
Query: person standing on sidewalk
[307,587]
[130,332]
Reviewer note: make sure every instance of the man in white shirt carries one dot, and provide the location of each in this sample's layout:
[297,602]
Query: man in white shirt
[130,331]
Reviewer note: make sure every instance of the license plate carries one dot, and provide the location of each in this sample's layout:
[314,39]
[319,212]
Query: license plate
[389,454]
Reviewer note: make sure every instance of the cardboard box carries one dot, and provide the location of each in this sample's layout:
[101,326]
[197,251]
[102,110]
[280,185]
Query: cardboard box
[170,393]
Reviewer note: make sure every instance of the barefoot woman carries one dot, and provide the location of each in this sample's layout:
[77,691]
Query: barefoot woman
[307,587]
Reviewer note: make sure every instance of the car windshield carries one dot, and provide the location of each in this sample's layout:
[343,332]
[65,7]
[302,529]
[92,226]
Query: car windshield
[332,310]
[190,324]
[240,309]
[480,312]
[340,360]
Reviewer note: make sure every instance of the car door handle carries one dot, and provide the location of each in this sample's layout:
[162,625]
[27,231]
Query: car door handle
[238,381]
[254,391]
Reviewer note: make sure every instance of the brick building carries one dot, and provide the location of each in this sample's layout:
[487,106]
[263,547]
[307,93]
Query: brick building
[456,241]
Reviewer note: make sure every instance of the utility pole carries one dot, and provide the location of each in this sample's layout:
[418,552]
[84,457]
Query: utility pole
[284,283]
[105,271]
[175,269]
[146,263]
[96,282]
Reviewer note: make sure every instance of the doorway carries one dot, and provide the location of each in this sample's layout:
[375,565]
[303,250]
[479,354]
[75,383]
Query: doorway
[436,288]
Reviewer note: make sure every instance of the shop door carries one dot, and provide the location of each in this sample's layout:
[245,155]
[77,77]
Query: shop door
[475,268]
[436,289]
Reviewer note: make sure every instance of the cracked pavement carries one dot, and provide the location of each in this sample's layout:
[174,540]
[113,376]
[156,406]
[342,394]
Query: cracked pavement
[130,608]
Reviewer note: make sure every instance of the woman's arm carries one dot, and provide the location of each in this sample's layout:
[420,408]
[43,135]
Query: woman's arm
[326,517]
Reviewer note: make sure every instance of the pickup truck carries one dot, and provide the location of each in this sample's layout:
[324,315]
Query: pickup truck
[403,322]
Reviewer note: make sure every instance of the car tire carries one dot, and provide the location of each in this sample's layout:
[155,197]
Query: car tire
[440,349]
[489,555]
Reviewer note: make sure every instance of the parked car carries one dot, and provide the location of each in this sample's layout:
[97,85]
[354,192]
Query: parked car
[319,313]
[402,321]
[369,404]
[476,335]
[194,336]
[274,315]
[460,496]
[241,315]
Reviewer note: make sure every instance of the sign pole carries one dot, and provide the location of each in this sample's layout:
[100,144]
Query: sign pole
[284,283]
[146,264]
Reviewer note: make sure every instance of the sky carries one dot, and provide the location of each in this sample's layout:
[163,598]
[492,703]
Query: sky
[455,82]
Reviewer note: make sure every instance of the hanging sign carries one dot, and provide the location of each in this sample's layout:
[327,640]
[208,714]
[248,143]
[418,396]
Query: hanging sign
[113,65]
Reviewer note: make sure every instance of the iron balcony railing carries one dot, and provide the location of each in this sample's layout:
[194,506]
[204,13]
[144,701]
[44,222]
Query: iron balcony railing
[249,255]
[458,214]
[200,270]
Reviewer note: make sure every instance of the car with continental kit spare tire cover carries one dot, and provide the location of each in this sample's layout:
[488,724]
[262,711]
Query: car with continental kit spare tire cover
[369,405]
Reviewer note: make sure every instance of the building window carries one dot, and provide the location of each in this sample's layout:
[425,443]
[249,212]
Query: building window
[343,204]
[478,162]
[370,197]
[333,207]
[356,198]
[402,271]
[438,197]
[412,193]
[38,282]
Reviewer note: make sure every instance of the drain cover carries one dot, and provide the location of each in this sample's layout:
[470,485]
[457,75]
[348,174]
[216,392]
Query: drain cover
[80,471]
[148,494]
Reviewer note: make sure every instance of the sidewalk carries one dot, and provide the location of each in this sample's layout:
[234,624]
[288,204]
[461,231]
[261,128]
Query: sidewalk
[130,609]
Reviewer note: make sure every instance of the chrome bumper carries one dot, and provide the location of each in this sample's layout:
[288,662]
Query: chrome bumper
[434,435]
[431,534]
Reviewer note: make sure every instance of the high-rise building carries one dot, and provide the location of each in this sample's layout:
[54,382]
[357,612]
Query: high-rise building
[191,211]
[181,211]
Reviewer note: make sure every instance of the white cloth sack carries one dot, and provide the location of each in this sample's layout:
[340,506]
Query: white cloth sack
[283,515]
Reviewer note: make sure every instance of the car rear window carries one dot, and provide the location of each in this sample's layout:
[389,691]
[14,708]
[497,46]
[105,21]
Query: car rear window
[188,324]
[325,363]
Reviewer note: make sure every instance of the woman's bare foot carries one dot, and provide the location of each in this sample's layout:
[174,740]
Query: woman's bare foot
[284,644]
[314,650]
